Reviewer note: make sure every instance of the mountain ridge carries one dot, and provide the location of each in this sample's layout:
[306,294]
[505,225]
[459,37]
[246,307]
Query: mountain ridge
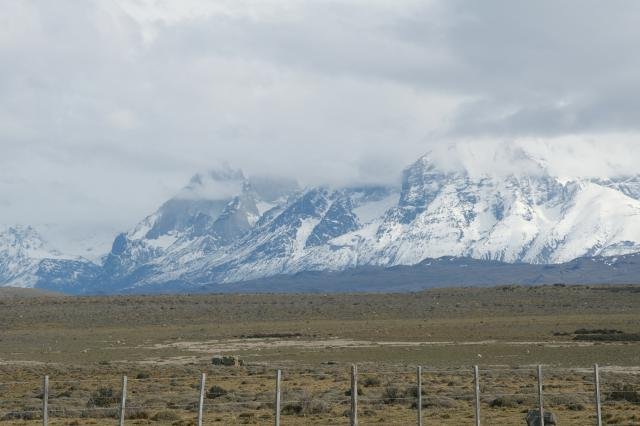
[225,227]
[27,261]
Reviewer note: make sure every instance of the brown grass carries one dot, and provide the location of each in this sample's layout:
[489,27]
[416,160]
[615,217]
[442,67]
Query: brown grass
[163,343]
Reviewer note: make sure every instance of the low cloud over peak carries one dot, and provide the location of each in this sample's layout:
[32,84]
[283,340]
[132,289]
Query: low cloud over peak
[109,107]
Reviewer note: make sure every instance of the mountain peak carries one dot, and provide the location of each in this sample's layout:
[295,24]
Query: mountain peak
[26,260]
[218,183]
[223,172]
[466,159]
[520,162]
[24,238]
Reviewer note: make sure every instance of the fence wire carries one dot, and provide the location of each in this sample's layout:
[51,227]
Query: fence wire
[324,396]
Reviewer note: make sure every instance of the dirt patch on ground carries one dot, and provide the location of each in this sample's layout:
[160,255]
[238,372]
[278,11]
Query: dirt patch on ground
[254,344]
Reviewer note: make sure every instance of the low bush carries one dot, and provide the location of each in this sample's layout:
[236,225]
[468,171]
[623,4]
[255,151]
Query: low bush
[314,406]
[18,415]
[437,402]
[412,391]
[370,381]
[360,392]
[165,415]
[246,418]
[137,414]
[91,413]
[624,392]
[291,408]
[506,402]
[575,406]
[102,397]
[392,395]
[306,405]
[216,391]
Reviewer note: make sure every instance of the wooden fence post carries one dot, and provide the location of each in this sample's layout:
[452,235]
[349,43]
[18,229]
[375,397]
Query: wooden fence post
[419,395]
[277,407]
[45,401]
[596,380]
[540,395]
[476,381]
[123,400]
[203,379]
[354,395]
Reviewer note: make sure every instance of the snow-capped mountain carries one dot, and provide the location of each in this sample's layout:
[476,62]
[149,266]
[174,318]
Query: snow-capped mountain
[531,217]
[225,227]
[210,213]
[26,260]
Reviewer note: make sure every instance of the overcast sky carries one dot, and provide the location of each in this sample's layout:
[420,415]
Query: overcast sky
[108,107]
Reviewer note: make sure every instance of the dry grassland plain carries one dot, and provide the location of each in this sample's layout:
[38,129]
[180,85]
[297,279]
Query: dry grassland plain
[163,343]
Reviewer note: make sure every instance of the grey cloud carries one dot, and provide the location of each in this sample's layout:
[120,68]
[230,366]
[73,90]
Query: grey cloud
[326,92]
[610,112]
[559,67]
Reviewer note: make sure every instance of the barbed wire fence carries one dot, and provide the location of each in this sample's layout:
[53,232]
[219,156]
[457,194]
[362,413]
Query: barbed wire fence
[359,394]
